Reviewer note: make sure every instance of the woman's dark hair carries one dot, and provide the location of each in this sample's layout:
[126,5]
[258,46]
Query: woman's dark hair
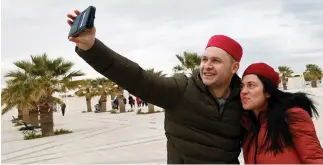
[278,134]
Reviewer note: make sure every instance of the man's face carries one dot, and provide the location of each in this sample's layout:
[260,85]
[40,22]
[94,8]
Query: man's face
[217,67]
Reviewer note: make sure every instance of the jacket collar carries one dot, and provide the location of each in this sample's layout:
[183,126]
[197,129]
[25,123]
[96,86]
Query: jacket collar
[249,119]
[234,84]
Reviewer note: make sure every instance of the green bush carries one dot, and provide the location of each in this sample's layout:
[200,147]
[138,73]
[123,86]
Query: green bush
[31,135]
[113,111]
[62,131]
[143,113]
[139,111]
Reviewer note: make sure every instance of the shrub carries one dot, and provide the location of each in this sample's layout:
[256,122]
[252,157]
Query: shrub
[62,131]
[139,111]
[31,135]
[143,113]
[113,111]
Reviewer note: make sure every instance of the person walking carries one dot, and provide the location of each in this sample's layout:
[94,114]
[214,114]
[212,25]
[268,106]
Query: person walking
[63,107]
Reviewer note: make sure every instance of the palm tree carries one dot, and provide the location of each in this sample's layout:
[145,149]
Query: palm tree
[152,71]
[104,87]
[285,72]
[88,89]
[118,91]
[17,94]
[48,76]
[313,73]
[189,62]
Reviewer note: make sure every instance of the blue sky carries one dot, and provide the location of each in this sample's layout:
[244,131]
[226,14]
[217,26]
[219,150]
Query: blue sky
[278,32]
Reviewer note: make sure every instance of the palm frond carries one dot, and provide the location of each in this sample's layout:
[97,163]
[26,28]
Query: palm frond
[7,108]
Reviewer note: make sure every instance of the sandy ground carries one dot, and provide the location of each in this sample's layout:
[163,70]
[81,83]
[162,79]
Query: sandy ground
[99,137]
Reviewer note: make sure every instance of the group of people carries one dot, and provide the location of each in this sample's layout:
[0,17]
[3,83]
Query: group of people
[131,101]
[213,114]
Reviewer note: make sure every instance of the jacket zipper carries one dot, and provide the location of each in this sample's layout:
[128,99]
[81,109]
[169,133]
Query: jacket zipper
[221,107]
[256,148]
[256,145]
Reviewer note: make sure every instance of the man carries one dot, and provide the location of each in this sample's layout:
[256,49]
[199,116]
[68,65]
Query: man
[131,101]
[202,112]
[63,107]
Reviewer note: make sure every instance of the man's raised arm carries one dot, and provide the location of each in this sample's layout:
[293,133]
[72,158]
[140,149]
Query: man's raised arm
[161,91]
[165,92]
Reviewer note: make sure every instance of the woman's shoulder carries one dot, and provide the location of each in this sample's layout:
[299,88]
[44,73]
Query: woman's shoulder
[295,110]
[298,114]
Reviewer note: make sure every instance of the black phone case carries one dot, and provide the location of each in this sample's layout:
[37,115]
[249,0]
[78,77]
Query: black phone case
[82,22]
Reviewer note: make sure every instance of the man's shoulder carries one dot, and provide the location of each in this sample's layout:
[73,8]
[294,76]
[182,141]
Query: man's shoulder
[186,80]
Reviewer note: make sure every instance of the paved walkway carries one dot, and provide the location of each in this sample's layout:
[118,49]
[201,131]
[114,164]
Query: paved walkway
[96,138]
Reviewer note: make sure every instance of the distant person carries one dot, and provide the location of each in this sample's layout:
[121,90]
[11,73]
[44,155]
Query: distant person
[138,101]
[116,103]
[63,107]
[202,112]
[279,125]
[142,103]
[124,100]
[131,101]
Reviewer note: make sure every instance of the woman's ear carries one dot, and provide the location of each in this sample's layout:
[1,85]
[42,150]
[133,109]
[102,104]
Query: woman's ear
[267,95]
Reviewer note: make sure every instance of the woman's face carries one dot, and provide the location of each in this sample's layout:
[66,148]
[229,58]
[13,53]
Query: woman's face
[252,93]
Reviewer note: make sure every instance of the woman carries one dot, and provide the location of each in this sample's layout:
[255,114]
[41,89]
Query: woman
[278,124]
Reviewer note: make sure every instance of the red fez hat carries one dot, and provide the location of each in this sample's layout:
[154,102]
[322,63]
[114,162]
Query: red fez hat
[263,70]
[227,44]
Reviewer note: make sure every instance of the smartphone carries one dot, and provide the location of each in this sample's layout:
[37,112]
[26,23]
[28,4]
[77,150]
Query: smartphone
[82,22]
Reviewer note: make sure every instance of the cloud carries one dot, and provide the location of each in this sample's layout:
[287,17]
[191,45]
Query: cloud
[152,32]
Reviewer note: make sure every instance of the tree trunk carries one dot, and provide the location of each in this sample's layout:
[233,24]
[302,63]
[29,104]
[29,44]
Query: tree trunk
[103,100]
[34,117]
[104,106]
[121,105]
[25,116]
[285,85]
[314,83]
[151,108]
[88,104]
[20,115]
[46,119]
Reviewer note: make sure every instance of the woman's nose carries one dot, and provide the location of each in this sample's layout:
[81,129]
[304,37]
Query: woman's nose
[244,91]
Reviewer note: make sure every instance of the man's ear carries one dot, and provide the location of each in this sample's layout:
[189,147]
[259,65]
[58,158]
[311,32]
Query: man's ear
[235,67]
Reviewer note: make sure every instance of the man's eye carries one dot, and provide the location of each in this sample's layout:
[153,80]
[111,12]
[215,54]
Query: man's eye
[216,61]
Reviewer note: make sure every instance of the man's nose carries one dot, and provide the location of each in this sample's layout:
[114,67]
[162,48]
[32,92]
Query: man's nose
[208,65]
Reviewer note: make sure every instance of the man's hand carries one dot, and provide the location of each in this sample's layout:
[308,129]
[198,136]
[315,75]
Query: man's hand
[86,39]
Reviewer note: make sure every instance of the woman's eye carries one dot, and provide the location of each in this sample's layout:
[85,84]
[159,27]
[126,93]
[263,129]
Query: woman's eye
[251,85]
[241,86]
